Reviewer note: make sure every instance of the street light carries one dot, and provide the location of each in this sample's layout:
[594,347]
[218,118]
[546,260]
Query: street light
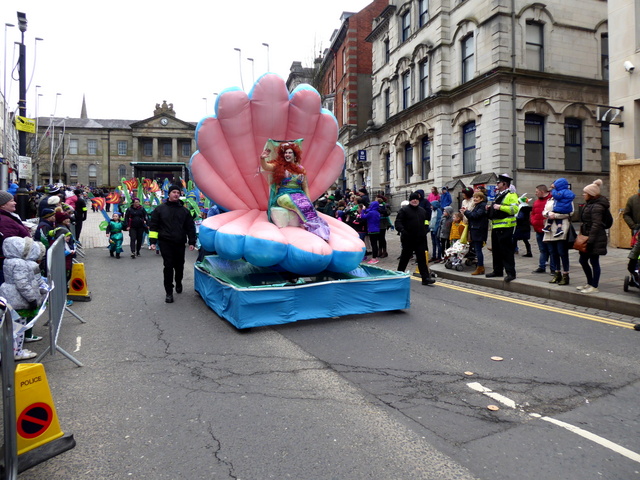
[22,196]
[267,45]
[4,170]
[240,65]
[35,48]
[253,75]
[51,132]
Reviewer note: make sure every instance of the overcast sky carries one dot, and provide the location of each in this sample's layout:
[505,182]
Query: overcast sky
[126,56]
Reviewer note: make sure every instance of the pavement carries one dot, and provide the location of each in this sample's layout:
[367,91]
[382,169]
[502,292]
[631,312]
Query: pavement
[611,298]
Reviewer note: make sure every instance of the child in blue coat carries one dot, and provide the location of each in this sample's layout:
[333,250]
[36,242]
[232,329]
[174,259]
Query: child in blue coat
[563,203]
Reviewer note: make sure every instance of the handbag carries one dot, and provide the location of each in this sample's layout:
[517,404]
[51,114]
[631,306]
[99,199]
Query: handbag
[580,243]
[464,238]
[571,236]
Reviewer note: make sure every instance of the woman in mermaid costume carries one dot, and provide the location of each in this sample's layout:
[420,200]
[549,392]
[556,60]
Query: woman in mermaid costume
[289,188]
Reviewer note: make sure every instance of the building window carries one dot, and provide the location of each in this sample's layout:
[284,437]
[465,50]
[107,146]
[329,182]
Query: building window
[408,163]
[426,158]
[604,55]
[406,90]
[93,170]
[345,108]
[533,141]
[387,167]
[166,149]
[387,52]
[535,47]
[344,60]
[423,11]
[122,147]
[185,148]
[406,26]
[73,170]
[424,79]
[573,144]
[73,146]
[147,149]
[604,152]
[467,59]
[122,171]
[387,104]
[469,147]
[92,147]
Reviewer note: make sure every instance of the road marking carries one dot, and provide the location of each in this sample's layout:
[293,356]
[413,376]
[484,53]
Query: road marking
[572,428]
[78,344]
[585,316]
[489,393]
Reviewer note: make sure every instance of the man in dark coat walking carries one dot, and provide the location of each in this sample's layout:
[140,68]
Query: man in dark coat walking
[410,224]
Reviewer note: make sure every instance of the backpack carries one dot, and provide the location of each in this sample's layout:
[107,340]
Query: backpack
[384,210]
[607,219]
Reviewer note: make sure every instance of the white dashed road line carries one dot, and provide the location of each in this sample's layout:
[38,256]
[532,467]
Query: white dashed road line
[567,426]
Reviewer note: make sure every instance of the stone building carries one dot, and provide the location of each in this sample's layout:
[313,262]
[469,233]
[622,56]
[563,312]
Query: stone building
[624,99]
[462,89]
[102,152]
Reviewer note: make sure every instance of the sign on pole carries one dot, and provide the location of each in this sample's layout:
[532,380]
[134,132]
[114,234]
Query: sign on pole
[24,167]
[25,124]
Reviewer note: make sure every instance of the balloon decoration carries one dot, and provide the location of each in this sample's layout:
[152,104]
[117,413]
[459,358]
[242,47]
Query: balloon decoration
[226,168]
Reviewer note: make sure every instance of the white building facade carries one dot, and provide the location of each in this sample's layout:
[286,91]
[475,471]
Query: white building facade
[465,89]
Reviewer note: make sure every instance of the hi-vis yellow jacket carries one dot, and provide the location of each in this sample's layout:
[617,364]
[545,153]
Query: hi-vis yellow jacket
[505,216]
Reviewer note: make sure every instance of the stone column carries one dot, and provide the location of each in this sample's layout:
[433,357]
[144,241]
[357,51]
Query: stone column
[136,144]
[174,149]
[154,153]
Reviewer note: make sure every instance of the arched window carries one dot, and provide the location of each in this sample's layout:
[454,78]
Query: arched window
[533,141]
[573,144]
[73,170]
[468,64]
[122,171]
[426,158]
[469,147]
[408,163]
[93,171]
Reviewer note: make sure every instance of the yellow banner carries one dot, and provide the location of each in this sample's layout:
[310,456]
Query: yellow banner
[25,124]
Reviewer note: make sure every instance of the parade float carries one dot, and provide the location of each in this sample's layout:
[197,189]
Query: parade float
[270,265]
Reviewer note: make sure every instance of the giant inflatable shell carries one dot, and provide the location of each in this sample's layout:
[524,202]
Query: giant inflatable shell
[226,168]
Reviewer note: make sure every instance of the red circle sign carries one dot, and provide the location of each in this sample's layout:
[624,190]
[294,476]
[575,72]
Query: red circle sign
[34,420]
[77,284]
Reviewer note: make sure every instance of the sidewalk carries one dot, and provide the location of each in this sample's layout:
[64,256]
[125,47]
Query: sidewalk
[612,297]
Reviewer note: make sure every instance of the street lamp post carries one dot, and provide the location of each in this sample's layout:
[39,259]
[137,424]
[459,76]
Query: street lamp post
[51,132]
[267,45]
[253,74]
[240,66]
[4,170]
[22,193]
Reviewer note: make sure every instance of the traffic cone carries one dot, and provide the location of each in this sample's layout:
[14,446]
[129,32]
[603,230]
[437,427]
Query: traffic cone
[78,289]
[37,421]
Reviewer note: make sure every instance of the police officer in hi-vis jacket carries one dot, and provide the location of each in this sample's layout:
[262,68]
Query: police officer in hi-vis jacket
[502,215]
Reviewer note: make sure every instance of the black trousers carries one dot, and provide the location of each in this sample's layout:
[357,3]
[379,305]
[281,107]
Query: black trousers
[503,251]
[173,255]
[417,246]
[136,235]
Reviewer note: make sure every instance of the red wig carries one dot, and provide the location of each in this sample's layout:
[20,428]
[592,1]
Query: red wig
[281,165]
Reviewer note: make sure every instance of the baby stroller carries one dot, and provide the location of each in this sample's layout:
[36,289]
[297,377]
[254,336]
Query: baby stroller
[455,255]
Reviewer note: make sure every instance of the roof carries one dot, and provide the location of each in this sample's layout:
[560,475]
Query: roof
[484,178]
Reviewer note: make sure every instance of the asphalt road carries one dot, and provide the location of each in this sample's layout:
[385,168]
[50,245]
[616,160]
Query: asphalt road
[170,391]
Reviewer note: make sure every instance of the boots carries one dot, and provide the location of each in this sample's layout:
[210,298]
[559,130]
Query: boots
[478,271]
[556,277]
[564,280]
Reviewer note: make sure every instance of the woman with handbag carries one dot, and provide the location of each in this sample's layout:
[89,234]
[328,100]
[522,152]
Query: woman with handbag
[558,244]
[593,228]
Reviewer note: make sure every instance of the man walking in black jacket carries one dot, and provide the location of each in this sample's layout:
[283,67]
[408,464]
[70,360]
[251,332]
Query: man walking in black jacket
[170,227]
[411,224]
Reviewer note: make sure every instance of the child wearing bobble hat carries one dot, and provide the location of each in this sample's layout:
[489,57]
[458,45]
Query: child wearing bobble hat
[593,226]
